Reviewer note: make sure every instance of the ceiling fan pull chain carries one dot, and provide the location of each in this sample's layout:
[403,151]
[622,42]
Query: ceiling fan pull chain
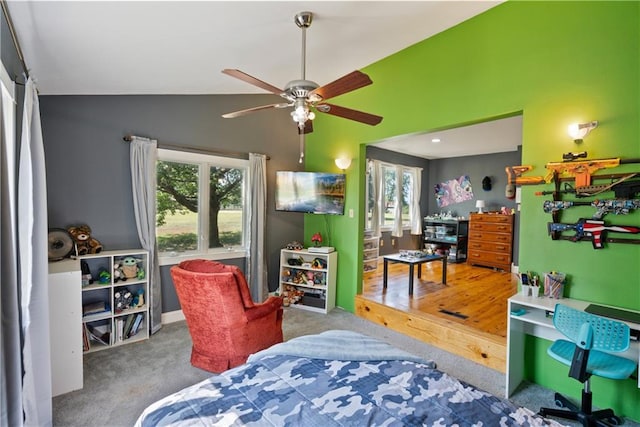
[301,148]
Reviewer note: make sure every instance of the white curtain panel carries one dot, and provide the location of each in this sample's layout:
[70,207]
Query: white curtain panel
[397,211]
[10,328]
[375,170]
[416,215]
[256,262]
[33,257]
[143,157]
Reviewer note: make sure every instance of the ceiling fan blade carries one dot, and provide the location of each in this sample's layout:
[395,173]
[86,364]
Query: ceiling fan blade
[348,113]
[239,113]
[352,81]
[308,127]
[252,80]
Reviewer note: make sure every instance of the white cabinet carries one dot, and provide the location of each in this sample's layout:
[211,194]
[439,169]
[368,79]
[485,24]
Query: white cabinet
[65,317]
[308,279]
[115,307]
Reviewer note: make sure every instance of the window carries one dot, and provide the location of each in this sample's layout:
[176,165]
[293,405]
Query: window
[200,204]
[408,177]
[390,194]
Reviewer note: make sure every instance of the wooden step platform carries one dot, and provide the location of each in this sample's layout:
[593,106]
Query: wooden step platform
[467,316]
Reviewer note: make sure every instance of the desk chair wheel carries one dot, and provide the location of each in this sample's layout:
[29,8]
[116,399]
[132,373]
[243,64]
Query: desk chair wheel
[563,402]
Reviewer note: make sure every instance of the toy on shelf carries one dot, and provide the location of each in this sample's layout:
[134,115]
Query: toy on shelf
[138,299]
[104,276]
[84,243]
[130,268]
[122,299]
[294,246]
[118,274]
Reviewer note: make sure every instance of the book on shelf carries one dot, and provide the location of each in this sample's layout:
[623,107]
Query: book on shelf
[95,308]
[119,329]
[136,324]
[128,324]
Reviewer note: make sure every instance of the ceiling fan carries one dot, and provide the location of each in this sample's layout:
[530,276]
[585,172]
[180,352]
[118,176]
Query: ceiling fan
[306,95]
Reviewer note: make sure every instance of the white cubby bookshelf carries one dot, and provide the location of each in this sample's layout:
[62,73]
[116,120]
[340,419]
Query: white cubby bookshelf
[109,325]
[310,283]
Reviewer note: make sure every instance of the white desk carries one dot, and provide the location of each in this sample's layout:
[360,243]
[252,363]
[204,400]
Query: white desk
[536,322]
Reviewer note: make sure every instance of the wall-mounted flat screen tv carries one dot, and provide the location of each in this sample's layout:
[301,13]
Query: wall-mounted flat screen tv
[310,192]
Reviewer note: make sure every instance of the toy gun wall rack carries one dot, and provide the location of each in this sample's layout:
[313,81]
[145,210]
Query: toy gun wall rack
[624,186]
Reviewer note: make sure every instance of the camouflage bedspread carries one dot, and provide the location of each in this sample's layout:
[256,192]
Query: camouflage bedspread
[288,390]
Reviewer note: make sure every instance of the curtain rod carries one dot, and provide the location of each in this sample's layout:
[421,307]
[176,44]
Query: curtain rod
[14,37]
[234,154]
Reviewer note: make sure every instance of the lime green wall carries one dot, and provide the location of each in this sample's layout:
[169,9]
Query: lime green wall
[558,63]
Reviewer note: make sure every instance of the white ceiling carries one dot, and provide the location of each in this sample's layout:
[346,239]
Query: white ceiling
[180,47]
[497,136]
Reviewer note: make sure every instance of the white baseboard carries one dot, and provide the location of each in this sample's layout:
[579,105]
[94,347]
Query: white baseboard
[514,269]
[172,316]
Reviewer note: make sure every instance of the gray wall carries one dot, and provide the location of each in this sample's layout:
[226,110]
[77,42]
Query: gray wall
[477,167]
[88,177]
[440,170]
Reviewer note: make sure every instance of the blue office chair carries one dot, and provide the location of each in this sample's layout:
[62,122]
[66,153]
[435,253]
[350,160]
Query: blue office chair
[589,334]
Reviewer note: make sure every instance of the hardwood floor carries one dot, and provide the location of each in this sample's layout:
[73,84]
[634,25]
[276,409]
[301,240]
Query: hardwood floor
[467,316]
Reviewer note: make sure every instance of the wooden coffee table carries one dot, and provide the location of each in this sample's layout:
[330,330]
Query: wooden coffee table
[412,262]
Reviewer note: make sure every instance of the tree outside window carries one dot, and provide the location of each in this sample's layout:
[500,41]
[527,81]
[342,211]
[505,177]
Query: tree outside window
[390,181]
[200,202]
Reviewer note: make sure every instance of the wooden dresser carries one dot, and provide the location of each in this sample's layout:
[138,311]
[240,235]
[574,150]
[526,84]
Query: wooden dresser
[490,240]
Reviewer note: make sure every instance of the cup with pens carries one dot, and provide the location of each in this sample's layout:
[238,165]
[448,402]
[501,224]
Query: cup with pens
[529,283]
[554,284]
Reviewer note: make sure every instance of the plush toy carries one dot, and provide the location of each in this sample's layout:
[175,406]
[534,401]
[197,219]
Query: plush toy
[117,273]
[85,244]
[138,299]
[122,299]
[130,267]
[104,276]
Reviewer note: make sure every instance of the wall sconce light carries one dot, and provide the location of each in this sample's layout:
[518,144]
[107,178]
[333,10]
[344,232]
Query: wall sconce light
[343,163]
[578,131]
[480,205]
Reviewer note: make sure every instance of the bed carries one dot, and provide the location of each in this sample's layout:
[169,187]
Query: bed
[337,378]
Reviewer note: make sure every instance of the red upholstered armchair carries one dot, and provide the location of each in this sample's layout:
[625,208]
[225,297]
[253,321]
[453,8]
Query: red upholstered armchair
[226,326]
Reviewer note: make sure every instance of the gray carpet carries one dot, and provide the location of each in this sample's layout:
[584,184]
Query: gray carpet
[120,382]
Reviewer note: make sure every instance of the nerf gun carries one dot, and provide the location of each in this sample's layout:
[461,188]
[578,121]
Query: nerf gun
[622,189]
[582,170]
[603,207]
[591,228]
[514,177]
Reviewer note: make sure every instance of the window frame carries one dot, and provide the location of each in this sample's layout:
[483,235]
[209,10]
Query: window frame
[411,170]
[204,162]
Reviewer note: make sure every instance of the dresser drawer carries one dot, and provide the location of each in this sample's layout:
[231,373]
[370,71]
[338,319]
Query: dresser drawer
[495,218]
[492,237]
[497,227]
[486,246]
[488,258]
